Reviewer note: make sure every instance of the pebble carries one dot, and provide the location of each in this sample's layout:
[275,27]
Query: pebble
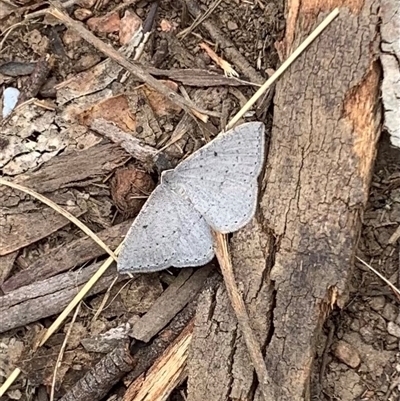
[377,303]
[391,340]
[368,334]
[71,38]
[347,354]
[393,329]
[10,100]
[232,26]
[391,343]
[389,312]
[140,12]
[82,14]
[14,394]
[355,325]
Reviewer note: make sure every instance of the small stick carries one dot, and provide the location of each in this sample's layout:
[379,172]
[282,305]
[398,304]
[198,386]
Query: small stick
[253,346]
[285,65]
[131,144]
[134,69]
[98,381]
[36,79]
[395,236]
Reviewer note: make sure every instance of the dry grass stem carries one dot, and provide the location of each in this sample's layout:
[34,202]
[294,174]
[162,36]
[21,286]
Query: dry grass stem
[63,212]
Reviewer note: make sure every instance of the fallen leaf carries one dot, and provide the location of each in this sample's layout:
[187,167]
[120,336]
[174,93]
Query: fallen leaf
[129,190]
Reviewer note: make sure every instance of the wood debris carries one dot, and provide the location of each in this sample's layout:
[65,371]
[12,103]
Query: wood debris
[227,67]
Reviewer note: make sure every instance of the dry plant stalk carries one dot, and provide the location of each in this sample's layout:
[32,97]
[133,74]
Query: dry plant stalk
[253,346]
[63,212]
[383,278]
[62,350]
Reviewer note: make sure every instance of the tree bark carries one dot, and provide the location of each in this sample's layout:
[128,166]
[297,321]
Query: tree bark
[294,260]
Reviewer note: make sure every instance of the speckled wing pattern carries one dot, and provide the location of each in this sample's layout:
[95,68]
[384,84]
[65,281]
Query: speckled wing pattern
[167,232]
[220,179]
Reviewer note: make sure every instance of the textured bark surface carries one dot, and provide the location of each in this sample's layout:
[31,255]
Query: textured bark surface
[390,47]
[48,297]
[65,257]
[24,221]
[294,260]
[219,366]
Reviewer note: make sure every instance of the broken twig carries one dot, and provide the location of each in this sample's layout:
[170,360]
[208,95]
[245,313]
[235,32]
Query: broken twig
[166,374]
[96,383]
[132,145]
[253,346]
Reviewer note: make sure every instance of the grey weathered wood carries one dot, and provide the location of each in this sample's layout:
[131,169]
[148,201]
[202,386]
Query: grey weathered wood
[24,222]
[182,291]
[66,257]
[197,77]
[6,264]
[75,168]
[22,229]
[322,150]
[48,297]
